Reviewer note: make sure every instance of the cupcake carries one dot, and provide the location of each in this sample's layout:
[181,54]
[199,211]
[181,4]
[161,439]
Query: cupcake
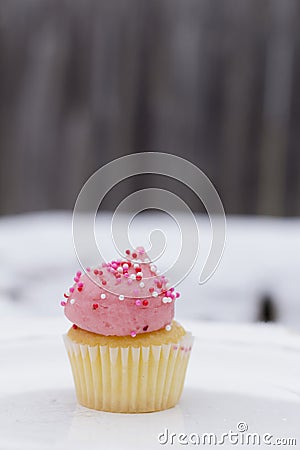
[127,354]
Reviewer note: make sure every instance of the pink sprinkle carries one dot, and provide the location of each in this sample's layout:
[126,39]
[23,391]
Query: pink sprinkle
[177,294]
[63,303]
[76,279]
[168,294]
[133,334]
[137,302]
[80,285]
[78,274]
[88,269]
[129,281]
[171,289]
[126,275]
[71,289]
[136,292]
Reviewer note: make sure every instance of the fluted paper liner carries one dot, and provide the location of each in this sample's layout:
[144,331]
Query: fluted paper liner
[129,379]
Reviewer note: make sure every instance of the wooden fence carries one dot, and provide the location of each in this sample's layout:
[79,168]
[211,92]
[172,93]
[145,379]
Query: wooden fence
[85,81]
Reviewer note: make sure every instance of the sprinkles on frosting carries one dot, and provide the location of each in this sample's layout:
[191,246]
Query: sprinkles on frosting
[129,271]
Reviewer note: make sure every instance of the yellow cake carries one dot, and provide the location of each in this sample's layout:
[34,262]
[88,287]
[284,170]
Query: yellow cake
[134,371]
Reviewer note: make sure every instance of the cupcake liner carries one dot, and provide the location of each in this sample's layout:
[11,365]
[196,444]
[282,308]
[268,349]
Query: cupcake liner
[129,379]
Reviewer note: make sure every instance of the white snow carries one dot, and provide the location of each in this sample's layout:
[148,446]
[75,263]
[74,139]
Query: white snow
[37,261]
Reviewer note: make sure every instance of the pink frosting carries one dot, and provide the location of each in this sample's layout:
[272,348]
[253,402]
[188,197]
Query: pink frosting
[117,300]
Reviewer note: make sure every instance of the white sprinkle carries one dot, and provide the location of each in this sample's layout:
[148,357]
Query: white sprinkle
[157,271]
[170,300]
[154,294]
[168,285]
[72,301]
[132,276]
[119,269]
[121,297]
[168,327]
[142,284]
[103,296]
[136,266]
[125,266]
[146,260]
[165,300]
[153,268]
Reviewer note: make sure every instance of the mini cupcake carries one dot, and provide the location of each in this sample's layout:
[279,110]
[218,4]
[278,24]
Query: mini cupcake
[126,352]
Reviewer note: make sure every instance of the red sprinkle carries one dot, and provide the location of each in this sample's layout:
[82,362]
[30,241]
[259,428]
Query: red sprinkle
[151,290]
[134,255]
[103,282]
[66,296]
[80,289]
[145,303]
[96,272]
[138,269]
[74,326]
[95,305]
[100,272]
[138,278]
[127,252]
[159,285]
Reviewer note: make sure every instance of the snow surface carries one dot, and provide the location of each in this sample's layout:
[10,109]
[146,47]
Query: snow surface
[237,373]
[37,261]
[246,372]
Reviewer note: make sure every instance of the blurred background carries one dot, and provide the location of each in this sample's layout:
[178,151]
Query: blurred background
[83,82]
